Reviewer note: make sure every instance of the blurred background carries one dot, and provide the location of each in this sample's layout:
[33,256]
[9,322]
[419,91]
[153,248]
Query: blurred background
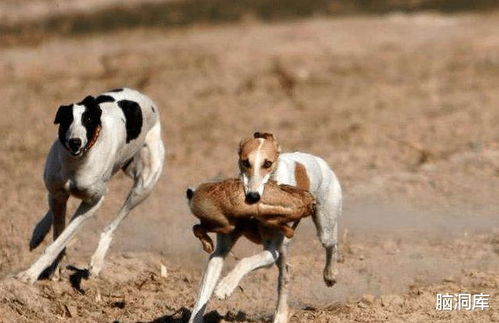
[400,97]
[33,18]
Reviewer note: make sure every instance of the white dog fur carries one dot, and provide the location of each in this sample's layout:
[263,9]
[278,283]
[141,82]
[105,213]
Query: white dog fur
[263,163]
[119,129]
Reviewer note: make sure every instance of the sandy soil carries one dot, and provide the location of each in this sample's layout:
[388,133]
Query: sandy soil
[403,107]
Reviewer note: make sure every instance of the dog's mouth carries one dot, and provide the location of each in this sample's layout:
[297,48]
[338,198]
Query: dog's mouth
[77,148]
[75,153]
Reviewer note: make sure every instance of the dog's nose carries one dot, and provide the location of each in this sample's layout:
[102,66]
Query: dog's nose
[252,197]
[74,144]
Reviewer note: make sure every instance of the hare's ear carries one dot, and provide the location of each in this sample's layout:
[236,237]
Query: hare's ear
[264,135]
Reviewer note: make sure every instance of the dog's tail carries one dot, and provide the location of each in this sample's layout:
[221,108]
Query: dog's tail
[189,193]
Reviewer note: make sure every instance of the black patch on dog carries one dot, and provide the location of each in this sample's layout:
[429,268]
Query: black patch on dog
[133,115]
[104,98]
[87,101]
[64,118]
[91,117]
[152,108]
[116,90]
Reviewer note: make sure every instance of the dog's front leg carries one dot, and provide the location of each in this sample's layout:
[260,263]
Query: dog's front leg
[57,210]
[246,265]
[84,211]
[282,310]
[211,275]
[57,203]
[58,206]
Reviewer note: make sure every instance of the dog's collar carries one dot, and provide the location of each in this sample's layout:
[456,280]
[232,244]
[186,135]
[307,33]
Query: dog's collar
[93,140]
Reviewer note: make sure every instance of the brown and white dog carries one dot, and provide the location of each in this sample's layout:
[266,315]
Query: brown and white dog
[221,208]
[260,160]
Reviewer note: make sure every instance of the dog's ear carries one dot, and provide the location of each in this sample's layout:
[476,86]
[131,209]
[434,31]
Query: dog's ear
[242,143]
[189,193]
[88,101]
[277,147]
[264,135]
[93,106]
[63,112]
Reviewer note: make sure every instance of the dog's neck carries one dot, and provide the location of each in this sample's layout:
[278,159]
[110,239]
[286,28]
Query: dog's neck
[273,174]
[93,140]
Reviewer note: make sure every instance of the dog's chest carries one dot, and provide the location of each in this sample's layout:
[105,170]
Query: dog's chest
[78,191]
[83,187]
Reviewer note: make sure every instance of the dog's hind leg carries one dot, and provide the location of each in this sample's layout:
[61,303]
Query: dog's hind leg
[211,275]
[332,255]
[326,221]
[145,169]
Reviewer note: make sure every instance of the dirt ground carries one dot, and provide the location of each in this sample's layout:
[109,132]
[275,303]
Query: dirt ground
[404,108]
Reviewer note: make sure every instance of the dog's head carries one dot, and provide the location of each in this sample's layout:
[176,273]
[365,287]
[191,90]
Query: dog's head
[257,160]
[79,125]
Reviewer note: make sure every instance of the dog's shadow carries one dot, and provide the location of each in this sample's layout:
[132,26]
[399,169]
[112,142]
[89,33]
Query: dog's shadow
[183,314]
[77,276]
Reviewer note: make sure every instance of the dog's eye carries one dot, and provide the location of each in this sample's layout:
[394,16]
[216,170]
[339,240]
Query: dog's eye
[245,163]
[87,119]
[267,164]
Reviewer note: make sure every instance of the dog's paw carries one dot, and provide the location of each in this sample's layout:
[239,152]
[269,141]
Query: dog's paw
[224,289]
[330,277]
[281,317]
[95,267]
[27,277]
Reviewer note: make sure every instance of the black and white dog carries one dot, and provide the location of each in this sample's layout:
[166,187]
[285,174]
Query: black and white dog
[98,136]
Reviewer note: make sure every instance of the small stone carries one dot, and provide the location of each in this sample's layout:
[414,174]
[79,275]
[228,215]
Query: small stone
[391,247]
[71,311]
[362,304]
[368,299]
[494,317]
[394,300]
[164,271]
[98,297]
